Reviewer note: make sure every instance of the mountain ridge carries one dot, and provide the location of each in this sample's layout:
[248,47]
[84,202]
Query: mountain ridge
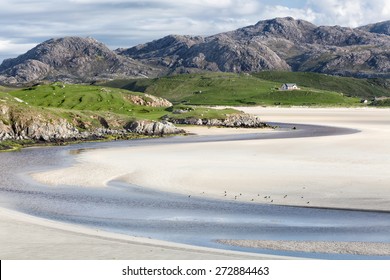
[71,58]
[282,44]
[276,44]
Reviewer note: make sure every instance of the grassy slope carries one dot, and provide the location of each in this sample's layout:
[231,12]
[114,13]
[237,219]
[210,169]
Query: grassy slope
[68,100]
[234,89]
[363,88]
[86,98]
[18,109]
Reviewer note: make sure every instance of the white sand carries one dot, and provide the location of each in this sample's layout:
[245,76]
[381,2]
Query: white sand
[348,171]
[23,237]
[201,130]
[350,248]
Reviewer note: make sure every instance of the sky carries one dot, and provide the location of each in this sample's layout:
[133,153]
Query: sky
[125,23]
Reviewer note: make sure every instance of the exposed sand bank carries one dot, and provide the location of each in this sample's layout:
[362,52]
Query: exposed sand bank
[350,248]
[348,171]
[24,237]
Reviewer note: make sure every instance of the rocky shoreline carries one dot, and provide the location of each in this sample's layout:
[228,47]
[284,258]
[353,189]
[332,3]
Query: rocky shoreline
[235,120]
[17,126]
[64,131]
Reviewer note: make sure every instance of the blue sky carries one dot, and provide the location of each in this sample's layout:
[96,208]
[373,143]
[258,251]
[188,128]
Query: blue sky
[125,23]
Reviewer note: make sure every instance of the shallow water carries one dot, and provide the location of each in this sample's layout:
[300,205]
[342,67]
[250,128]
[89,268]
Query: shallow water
[192,220]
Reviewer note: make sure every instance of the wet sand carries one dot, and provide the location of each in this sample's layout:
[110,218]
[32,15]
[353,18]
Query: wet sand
[350,248]
[347,171]
[23,237]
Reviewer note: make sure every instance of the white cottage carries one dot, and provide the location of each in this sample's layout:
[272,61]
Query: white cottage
[289,87]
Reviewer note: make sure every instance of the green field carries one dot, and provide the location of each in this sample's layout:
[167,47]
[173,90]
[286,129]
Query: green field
[362,88]
[86,98]
[112,104]
[111,100]
[83,100]
[238,90]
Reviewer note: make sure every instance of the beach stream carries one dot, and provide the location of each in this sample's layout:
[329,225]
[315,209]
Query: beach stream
[195,220]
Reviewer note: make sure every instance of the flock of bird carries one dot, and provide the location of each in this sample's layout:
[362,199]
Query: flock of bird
[267,198]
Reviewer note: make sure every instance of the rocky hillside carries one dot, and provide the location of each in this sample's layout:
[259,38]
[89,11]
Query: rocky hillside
[216,53]
[42,126]
[380,28]
[277,44]
[72,59]
[20,120]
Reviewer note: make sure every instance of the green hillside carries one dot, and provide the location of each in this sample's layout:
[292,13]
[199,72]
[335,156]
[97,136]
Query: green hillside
[234,89]
[362,88]
[6,89]
[87,108]
[86,98]
[83,99]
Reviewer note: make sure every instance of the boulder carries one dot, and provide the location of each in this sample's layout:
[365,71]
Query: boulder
[153,128]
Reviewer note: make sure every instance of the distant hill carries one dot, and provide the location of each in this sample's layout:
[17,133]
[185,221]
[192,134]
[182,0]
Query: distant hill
[349,86]
[256,82]
[245,89]
[280,44]
[72,59]
[277,44]
[380,28]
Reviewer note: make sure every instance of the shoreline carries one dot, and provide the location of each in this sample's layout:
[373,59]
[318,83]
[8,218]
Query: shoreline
[49,240]
[295,189]
[189,168]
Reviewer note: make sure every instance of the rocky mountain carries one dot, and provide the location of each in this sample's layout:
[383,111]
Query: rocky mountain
[276,44]
[380,28]
[215,53]
[71,59]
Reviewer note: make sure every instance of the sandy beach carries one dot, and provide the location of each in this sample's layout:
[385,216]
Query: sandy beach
[352,248]
[23,237]
[347,171]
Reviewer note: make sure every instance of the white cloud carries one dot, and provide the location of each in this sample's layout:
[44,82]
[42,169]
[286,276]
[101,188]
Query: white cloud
[14,47]
[9,49]
[282,11]
[351,13]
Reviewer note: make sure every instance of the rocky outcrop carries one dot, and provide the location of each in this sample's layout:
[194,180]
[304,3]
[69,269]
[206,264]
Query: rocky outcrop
[148,100]
[14,125]
[235,120]
[36,126]
[153,128]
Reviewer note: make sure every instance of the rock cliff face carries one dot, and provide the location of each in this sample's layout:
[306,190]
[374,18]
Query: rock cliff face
[15,125]
[235,120]
[37,126]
